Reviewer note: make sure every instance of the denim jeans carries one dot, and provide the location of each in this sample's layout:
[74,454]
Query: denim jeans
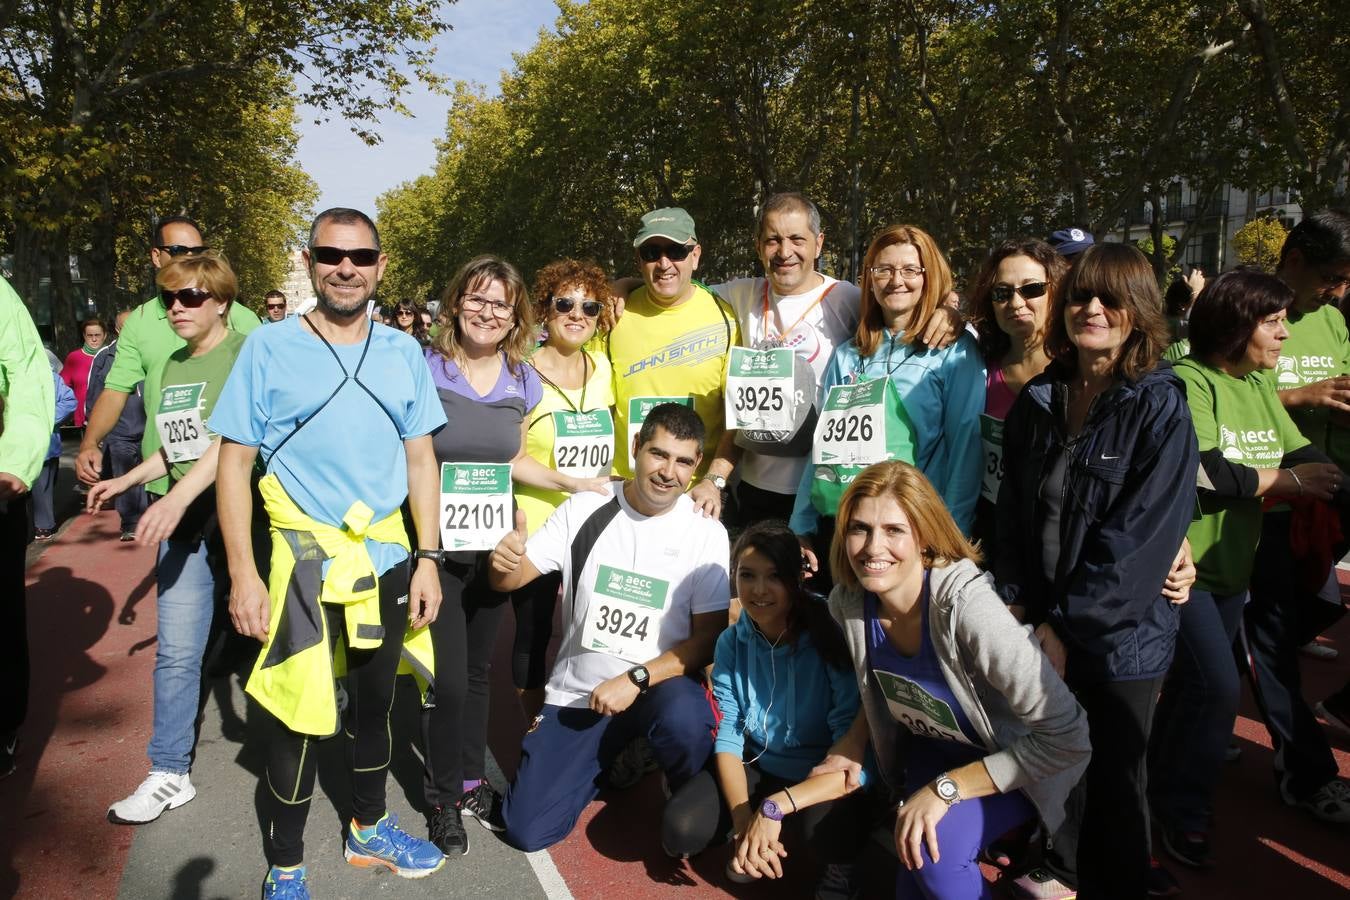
[1195,715]
[187,602]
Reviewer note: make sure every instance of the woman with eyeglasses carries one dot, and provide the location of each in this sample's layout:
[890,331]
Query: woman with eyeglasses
[489,392]
[408,319]
[1090,520]
[191,575]
[571,431]
[786,692]
[885,395]
[1011,303]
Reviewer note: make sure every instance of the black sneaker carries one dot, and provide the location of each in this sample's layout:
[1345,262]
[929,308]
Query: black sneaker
[446,831]
[485,805]
[838,881]
[1189,848]
[1161,883]
[9,749]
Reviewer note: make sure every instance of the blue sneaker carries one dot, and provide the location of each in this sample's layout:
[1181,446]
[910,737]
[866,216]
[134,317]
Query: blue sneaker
[395,849]
[285,884]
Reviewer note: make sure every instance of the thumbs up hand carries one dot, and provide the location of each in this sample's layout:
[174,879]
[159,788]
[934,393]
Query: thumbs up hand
[510,550]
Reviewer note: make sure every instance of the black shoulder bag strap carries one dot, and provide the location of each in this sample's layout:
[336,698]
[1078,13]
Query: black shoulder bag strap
[587,535]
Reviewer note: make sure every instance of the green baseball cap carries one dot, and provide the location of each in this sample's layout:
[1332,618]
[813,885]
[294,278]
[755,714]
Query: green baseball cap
[671,222]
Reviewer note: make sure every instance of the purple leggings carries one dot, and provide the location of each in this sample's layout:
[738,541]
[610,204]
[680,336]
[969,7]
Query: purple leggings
[966,828]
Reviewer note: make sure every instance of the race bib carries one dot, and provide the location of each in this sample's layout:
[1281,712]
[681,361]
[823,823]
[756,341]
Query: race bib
[583,443]
[638,407]
[624,618]
[760,392]
[182,432]
[918,710]
[475,505]
[851,430]
[991,436]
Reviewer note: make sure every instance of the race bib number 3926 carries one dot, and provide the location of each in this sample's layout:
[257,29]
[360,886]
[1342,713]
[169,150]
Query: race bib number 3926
[624,618]
[475,505]
[851,428]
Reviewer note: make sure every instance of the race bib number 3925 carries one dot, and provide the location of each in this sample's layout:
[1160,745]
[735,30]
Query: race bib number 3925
[475,505]
[760,389]
[624,618]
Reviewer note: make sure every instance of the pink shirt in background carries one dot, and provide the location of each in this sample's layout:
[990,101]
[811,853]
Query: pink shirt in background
[998,397]
[75,373]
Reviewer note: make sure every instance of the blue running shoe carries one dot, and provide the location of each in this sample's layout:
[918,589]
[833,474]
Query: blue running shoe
[395,849]
[285,884]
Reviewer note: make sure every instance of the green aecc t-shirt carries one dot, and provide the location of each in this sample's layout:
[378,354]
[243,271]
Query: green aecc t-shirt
[1244,419]
[187,395]
[1318,348]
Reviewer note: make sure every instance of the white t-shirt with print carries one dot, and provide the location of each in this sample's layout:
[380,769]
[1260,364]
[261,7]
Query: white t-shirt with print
[680,549]
[826,325]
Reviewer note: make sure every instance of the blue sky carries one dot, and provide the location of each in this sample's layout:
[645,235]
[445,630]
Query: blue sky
[483,35]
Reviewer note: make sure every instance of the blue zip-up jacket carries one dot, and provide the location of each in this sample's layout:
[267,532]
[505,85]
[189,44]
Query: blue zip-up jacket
[1129,496]
[943,392]
[785,697]
[65,405]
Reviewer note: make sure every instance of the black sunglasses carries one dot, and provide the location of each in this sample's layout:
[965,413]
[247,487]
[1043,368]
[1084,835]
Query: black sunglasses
[276,306]
[672,252]
[191,298]
[589,308]
[181,249]
[1083,296]
[333,256]
[1003,293]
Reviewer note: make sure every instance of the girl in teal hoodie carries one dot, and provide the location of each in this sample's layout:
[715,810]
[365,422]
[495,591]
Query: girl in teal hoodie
[784,684]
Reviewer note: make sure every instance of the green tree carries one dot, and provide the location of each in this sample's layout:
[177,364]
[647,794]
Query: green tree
[1258,242]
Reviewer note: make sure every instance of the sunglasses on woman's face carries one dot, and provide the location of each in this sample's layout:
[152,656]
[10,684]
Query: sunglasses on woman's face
[1083,296]
[589,308]
[405,312]
[191,298]
[1003,293]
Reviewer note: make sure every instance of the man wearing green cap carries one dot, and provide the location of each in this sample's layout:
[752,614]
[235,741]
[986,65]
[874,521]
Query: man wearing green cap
[671,345]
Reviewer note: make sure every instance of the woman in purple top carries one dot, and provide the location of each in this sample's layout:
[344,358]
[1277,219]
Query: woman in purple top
[487,388]
[1011,302]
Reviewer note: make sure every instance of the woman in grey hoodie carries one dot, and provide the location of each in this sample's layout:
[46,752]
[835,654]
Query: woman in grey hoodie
[972,730]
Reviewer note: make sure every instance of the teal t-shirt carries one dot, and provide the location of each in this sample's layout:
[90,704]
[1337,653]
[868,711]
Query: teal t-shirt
[188,390]
[1318,348]
[1244,419]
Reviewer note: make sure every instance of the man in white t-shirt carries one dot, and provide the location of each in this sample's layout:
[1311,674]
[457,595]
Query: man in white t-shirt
[645,596]
[795,306]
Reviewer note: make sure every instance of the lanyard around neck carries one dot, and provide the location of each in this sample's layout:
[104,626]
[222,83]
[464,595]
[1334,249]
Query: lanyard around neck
[782,335]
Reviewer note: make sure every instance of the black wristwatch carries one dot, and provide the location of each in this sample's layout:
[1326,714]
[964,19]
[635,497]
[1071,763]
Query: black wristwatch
[640,677]
[433,555]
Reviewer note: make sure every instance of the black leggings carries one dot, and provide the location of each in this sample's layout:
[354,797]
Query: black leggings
[534,605]
[697,817]
[291,757]
[454,730]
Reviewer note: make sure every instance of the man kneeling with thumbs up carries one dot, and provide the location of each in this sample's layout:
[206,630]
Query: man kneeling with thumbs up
[645,594]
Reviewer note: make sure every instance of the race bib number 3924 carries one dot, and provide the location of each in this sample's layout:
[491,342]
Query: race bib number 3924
[475,505]
[624,618]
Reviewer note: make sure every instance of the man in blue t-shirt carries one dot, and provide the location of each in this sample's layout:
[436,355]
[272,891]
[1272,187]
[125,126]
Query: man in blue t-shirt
[341,412]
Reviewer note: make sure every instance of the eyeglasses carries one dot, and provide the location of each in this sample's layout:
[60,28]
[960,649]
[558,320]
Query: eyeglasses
[181,249]
[886,273]
[1003,293]
[404,312]
[589,308]
[333,256]
[1083,297]
[474,303]
[191,298]
[650,252]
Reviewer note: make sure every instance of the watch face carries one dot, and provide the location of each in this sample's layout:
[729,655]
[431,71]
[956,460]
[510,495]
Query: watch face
[640,674]
[946,789]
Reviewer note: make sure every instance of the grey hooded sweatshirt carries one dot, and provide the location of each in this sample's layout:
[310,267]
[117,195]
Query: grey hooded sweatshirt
[1034,729]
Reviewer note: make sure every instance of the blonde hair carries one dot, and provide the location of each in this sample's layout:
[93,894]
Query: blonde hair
[935,531]
[480,272]
[937,284]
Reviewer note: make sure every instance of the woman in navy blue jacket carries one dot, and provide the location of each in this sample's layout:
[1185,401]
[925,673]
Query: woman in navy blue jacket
[1098,491]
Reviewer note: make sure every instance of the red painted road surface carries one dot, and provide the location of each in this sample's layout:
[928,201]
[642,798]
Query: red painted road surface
[92,626]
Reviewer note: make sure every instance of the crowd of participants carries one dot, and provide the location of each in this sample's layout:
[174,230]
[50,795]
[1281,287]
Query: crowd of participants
[829,556]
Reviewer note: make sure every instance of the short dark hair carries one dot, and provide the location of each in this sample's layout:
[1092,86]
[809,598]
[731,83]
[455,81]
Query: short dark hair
[1229,309]
[994,342]
[1123,273]
[678,421]
[1323,237]
[274,293]
[785,201]
[341,215]
[157,233]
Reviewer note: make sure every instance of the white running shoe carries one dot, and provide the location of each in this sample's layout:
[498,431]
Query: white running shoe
[158,792]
